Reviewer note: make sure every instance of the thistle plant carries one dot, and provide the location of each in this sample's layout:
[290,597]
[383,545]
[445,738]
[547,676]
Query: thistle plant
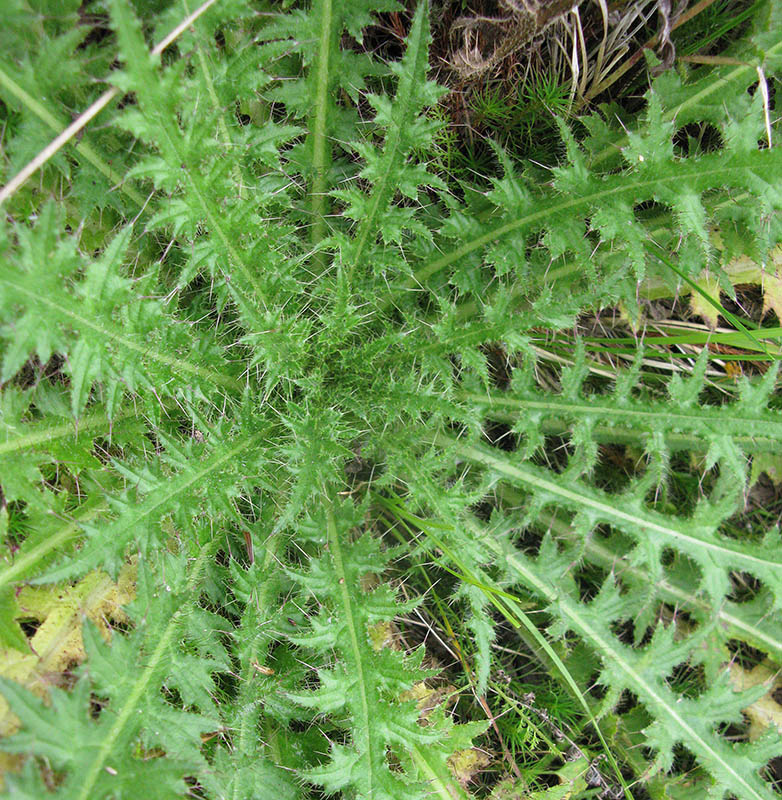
[247,329]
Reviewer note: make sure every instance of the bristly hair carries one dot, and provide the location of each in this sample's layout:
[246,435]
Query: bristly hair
[266,372]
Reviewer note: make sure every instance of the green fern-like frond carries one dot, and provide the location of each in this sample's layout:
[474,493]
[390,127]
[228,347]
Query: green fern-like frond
[122,340]
[367,683]
[678,719]
[95,756]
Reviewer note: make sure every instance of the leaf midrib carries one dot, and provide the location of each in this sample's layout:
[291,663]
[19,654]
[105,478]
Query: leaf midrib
[609,511]
[347,604]
[320,154]
[402,107]
[45,433]
[128,344]
[144,678]
[625,184]
[696,421]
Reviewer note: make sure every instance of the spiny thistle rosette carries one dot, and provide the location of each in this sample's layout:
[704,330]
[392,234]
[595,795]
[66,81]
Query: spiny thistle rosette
[266,323]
